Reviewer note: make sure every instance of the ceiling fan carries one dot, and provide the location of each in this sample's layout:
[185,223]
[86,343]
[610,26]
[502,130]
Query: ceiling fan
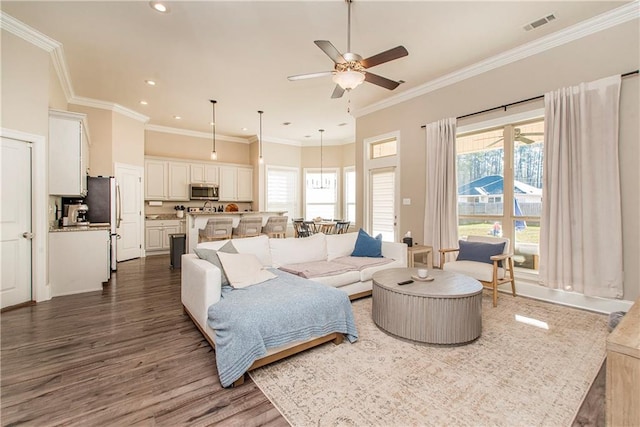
[518,136]
[349,68]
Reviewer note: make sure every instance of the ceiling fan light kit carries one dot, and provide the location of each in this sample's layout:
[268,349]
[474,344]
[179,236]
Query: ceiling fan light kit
[349,68]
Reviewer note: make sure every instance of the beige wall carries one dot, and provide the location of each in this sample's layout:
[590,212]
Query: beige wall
[100,136]
[128,140]
[25,86]
[613,51]
[194,148]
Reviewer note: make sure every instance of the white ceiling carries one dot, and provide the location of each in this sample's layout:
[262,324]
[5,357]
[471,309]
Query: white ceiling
[241,52]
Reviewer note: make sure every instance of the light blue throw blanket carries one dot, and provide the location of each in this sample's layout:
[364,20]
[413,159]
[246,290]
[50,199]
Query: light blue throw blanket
[250,320]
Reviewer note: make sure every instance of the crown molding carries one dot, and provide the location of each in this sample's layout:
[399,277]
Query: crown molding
[25,32]
[103,105]
[612,18]
[195,133]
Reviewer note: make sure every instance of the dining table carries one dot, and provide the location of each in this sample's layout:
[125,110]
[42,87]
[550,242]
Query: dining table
[326,227]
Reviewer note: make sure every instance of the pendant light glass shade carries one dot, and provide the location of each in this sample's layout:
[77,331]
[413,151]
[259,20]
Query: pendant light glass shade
[260,159]
[214,154]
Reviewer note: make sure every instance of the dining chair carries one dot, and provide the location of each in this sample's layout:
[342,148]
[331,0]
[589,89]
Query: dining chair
[248,226]
[342,227]
[218,228]
[301,228]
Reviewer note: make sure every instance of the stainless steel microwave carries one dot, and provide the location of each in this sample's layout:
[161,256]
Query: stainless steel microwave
[203,191]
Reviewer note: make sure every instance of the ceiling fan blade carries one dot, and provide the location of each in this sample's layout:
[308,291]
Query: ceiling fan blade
[533,133]
[386,56]
[380,81]
[499,140]
[525,140]
[310,75]
[337,92]
[330,50]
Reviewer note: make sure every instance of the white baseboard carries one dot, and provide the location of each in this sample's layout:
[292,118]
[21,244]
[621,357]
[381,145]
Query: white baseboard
[571,299]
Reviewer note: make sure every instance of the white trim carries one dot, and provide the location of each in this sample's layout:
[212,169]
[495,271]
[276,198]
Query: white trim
[103,105]
[612,18]
[501,121]
[530,289]
[345,210]
[194,133]
[41,290]
[27,33]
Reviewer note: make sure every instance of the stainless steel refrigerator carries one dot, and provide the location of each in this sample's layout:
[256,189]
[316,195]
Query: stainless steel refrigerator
[102,200]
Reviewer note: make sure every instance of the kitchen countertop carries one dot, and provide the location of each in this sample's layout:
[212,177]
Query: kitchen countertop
[90,227]
[237,213]
[163,217]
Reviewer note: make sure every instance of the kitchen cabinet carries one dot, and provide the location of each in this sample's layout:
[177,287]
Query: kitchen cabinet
[202,173]
[68,154]
[179,178]
[157,233]
[78,261]
[155,179]
[236,184]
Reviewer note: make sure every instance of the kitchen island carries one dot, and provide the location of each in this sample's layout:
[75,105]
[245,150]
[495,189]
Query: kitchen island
[198,220]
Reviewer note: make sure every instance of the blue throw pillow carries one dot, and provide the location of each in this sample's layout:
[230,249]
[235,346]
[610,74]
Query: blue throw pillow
[367,246]
[479,251]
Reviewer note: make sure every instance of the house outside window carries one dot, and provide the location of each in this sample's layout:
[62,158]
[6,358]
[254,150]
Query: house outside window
[499,173]
[282,190]
[321,193]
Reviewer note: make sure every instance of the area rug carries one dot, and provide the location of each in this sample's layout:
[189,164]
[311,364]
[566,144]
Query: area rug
[532,366]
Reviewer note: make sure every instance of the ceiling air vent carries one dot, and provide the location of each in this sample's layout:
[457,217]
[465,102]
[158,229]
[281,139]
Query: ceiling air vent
[540,22]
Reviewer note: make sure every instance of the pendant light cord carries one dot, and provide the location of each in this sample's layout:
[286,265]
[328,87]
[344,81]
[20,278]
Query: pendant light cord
[213,120]
[260,141]
[321,169]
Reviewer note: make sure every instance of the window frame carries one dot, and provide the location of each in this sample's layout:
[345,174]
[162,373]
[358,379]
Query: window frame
[336,203]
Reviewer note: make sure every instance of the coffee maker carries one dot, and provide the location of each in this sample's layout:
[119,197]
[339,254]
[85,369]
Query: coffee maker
[76,214]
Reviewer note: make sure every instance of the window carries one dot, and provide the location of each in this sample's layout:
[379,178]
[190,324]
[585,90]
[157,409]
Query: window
[382,203]
[383,148]
[321,193]
[500,186]
[350,194]
[282,190]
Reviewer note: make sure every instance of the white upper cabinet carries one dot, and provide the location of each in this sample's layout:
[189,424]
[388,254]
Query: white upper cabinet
[179,177]
[155,179]
[245,184]
[202,173]
[228,183]
[68,154]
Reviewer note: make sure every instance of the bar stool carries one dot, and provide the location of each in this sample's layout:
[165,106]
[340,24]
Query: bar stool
[276,227]
[248,226]
[216,229]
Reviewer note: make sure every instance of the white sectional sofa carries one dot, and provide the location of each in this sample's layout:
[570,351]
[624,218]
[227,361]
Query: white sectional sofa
[201,280]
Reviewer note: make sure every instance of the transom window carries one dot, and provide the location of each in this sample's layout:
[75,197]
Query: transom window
[383,148]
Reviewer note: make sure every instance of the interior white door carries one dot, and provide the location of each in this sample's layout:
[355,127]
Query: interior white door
[129,221]
[15,223]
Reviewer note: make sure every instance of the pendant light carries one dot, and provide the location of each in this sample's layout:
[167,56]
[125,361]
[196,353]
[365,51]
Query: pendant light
[321,177]
[260,159]
[214,155]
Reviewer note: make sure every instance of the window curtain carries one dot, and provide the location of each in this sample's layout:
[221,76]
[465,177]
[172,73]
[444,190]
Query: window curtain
[441,201]
[581,230]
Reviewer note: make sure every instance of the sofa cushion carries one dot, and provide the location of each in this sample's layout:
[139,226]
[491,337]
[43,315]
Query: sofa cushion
[479,251]
[367,273]
[297,250]
[338,280]
[316,269]
[477,270]
[211,255]
[368,246]
[339,245]
[244,269]
[259,246]
[360,263]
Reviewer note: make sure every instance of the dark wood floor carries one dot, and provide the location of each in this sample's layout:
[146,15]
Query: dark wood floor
[128,355]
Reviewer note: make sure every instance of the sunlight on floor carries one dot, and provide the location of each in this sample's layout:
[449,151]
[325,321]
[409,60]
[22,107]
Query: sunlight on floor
[532,322]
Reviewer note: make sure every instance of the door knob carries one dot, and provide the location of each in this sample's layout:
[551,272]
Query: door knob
[27,235]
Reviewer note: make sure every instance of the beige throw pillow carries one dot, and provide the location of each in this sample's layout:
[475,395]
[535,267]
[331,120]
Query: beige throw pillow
[244,269]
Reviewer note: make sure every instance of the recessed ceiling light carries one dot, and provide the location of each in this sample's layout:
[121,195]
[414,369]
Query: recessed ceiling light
[245,129]
[159,6]
[177,117]
[143,103]
[150,82]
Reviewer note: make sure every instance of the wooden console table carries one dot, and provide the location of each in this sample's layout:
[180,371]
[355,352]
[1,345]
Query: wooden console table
[425,251]
[623,371]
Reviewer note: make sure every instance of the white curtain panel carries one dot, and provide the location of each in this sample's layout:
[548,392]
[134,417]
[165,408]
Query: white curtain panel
[581,230]
[441,201]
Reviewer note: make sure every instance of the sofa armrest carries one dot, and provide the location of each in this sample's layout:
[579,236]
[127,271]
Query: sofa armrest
[395,250]
[201,286]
